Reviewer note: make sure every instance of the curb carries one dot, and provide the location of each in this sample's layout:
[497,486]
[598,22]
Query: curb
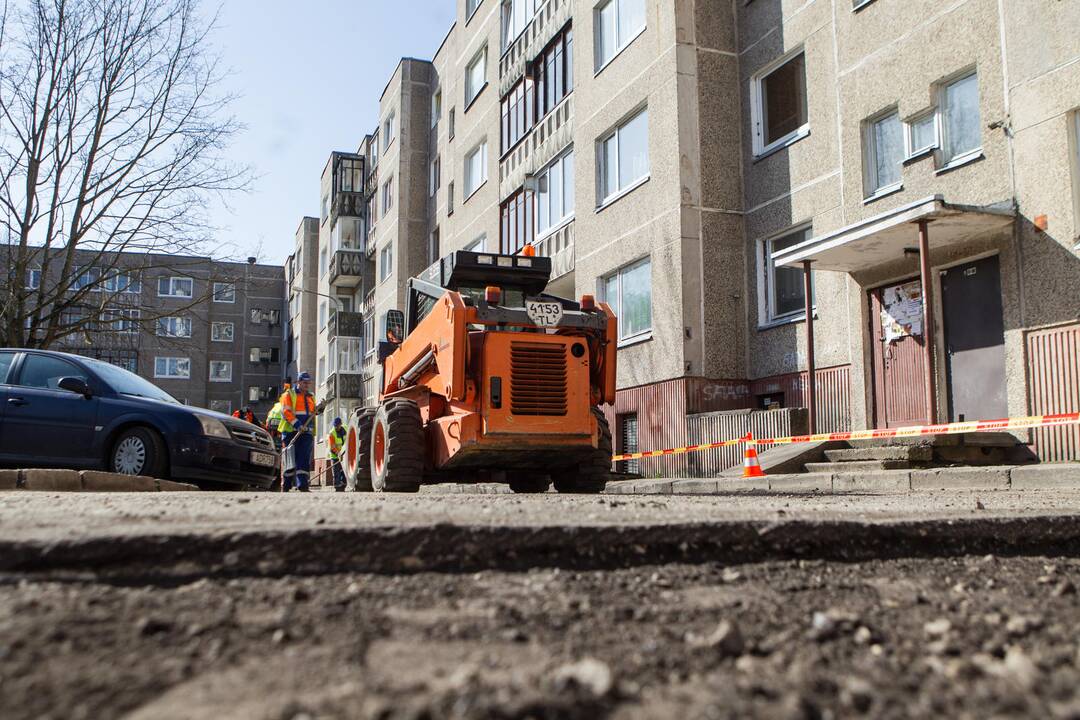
[86,481]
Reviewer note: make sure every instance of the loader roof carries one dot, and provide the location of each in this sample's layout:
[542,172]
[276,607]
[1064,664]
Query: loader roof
[464,269]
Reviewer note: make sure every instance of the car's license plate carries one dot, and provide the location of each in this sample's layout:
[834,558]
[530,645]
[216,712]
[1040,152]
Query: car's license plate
[264,459]
[544,314]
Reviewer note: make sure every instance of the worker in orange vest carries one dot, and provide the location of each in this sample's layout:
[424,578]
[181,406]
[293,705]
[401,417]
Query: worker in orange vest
[298,411]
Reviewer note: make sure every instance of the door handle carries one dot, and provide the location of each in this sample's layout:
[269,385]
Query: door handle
[17,401]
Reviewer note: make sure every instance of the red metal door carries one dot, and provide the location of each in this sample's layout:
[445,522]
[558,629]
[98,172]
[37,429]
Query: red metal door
[897,336]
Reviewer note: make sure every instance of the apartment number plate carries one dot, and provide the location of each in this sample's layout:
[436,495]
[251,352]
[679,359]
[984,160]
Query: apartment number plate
[544,314]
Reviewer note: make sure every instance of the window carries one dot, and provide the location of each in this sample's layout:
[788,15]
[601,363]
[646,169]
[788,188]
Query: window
[386,261]
[119,282]
[264,355]
[221,371]
[921,136]
[224,293]
[259,316]
[516,16]
[629,293]
[436,108]
[324,261]
[960,124]
[434,176]
[450,198]
[475,169]
[86,278]
[320,377]
[516,228]
[470,7]
[778,103]
[392,328]
[450,129]
[125,359]
[1074,146]
[373,211]
[222,332]
[33,279]
[43,371]
[178,287]
[121,320]
[259,393]
[322,315]
[346,355]
[477,245]
[475,77]
[387,196]
[222,406]
[517,114]
[176,368]
[555,194]
[175,327]
[369,335]
[554,73]
[785,295]
[433,247]
[883,153]
[375,148]
[623,160]
[388,130]
[617,23]
[325,207]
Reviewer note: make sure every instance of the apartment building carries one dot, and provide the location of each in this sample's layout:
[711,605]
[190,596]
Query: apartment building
[302,277]
[698,164]
[207,332]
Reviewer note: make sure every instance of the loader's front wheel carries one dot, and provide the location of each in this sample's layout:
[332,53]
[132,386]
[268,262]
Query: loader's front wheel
[364,420]
[530,484]
[590,476]
[397,447]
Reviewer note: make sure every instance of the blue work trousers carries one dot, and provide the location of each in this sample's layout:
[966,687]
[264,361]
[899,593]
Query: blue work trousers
[303,450]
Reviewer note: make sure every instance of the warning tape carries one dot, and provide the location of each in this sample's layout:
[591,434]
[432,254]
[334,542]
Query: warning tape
[1020,423]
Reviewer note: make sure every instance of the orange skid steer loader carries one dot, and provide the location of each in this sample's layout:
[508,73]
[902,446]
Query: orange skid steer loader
[490,381]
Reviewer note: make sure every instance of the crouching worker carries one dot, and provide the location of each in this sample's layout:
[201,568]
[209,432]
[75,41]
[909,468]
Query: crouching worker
[336,443]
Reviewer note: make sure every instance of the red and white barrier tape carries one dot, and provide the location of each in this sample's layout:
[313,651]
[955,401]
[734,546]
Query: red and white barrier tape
[1006,424]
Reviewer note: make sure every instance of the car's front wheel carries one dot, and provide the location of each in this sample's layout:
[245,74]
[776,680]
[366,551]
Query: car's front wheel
[138,451]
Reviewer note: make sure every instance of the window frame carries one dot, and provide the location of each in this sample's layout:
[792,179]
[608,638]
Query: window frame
[871,187]
[31,274]
[480,148]
[232,294]
[168,359]
[945,160]
[599,62]
[517,215]
[601,292]
[469,13]
[389,129]
[210,371]
[768,318]
[436,107]
[171,279]
[532,7]
[910,151]
[434,176]
[517,115]
[605,198]
[471,93]
[219,324]
[564,41]
[369,336]
[388,195]
[1073,143]
[386,261]
[174,320]
[567,216]
[757,106]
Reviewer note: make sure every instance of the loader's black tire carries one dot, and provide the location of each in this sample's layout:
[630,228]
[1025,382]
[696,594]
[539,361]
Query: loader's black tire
[591,476]
[398,447]
[364,421]
[527,483]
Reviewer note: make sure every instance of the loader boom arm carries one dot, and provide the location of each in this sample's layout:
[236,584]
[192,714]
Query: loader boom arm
[439,341]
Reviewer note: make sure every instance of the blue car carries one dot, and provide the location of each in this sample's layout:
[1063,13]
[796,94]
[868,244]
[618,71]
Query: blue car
[66,411]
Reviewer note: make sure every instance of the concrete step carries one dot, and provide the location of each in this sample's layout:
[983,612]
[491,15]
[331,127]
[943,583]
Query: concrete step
[858,466]
[911,453]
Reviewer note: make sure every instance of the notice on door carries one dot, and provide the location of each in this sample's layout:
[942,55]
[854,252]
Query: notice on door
[902,311]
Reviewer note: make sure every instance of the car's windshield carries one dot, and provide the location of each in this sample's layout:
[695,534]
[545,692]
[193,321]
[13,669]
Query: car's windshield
[128,383]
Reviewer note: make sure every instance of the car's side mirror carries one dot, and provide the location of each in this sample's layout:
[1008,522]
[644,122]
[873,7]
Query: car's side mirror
[75,385]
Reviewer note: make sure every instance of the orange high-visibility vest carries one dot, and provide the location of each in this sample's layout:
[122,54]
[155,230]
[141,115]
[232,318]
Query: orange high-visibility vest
[290,410]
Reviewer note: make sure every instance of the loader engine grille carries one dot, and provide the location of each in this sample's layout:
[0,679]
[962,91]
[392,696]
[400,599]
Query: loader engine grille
[537,379]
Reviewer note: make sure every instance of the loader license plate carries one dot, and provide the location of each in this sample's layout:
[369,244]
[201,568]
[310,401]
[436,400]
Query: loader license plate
[544,314]
[263,459]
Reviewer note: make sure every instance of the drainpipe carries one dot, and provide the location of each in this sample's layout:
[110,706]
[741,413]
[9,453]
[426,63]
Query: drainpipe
[928,321]
[811,364]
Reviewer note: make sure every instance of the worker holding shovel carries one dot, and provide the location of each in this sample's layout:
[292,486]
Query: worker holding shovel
[298,411]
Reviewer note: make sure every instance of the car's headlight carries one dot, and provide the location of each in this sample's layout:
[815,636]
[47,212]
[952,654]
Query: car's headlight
[213,428]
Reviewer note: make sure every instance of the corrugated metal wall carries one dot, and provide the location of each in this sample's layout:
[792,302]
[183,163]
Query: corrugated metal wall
[662,410]
[712,427]
[1053,366]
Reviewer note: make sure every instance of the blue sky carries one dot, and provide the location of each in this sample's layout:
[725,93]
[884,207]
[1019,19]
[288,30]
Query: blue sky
[310,81]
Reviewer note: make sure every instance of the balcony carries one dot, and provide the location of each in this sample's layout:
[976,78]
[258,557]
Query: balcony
[346,325]
[345,386]
[559,246]
[348,187]
[347,268]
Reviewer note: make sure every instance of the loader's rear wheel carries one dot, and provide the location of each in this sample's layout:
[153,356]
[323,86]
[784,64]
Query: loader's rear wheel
[590,476]
[363,422]
[397,447]
[528,484]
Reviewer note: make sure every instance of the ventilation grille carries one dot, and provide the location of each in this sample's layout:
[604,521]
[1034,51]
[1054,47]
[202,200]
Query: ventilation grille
[537,379]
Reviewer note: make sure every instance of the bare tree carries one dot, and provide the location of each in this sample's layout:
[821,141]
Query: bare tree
[112,131]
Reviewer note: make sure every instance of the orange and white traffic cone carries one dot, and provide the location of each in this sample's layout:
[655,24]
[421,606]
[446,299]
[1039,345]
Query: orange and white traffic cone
[751,466]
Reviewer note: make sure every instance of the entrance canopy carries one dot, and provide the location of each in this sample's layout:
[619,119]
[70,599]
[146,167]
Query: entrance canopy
[886,237]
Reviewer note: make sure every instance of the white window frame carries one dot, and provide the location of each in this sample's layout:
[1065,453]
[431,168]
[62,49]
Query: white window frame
[601,292]
[620,43]
[387,195]
[174,327]
[946,161]
[33,279]
[470,8]
[757,106]
[132,287]
[87,277]
[172,287]
[219,287]
[471,93]
[478,244]
[568,213]
[386,261]
[322,315]
[324,261]
[325,207]
[871,190]
[127,318]
[369,336]
[436,107]
[169,360]
[528,10]
[480,148]
[910,151]
[434,176]
[214,335]
[766,285]
[606,196]
[389,129]
[223,363]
